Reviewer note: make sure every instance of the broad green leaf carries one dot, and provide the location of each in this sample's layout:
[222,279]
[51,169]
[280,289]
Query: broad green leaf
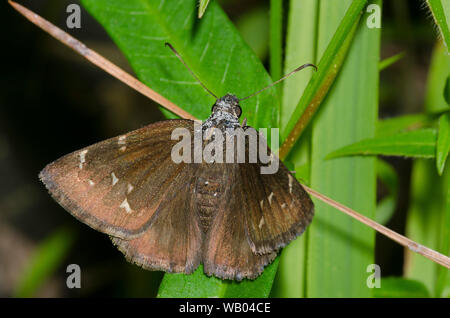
[443,142]
[198,285]
[300,49]
[441,14]
[202,5]
[211,47]
[388,176]
[340,248]
[46,259]
[396,287]
[390,61]
[392,126]
[418,143]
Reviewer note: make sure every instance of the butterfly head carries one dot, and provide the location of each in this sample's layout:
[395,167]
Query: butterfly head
[228,104]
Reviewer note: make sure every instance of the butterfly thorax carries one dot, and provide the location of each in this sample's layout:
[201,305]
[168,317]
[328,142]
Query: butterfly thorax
[225,114]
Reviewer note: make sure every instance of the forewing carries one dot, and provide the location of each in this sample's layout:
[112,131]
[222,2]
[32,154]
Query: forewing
[115,186]
[173,241]
[227,253]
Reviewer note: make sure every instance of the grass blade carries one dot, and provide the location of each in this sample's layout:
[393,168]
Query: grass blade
[418,143]
[329,65]
[443,142]
[340,248]
[388,176]
[441,14]
[429,213]
[276,39]
[392,126]
[46,260]
[437,77]
[300,49]
[390,61]
[202,5]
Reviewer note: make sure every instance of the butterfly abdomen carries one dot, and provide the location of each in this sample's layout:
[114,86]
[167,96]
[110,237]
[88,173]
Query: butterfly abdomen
[208,192]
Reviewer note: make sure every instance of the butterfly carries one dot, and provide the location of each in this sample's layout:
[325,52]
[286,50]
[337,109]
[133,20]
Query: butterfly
[173,216]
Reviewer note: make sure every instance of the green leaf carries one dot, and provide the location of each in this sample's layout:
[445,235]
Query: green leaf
[419,144]
[388,176]
[443,142]
[211,47]
[441,14]
[217,54]
[395,287]
[392,126]
[198,285]
[202,5]
[390,61]
[331,60]
[436,82]
[276,40]
[428,219]
[46,260]
[340,248]
[447,91]
[300,49]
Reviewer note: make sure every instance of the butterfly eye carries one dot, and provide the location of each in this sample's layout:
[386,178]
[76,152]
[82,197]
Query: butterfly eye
[213,108]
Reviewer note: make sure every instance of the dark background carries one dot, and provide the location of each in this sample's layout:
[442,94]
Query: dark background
[54,102]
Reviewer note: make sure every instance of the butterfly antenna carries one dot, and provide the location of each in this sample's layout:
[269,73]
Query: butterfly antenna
[281,79]
[190,71]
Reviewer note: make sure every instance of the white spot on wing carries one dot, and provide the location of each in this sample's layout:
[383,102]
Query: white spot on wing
[284,205]
[130,188]
[82,158]
[91,183]
[270,198]
[126,206]
[122,140]
[290,182]
[261,222]
[114,178]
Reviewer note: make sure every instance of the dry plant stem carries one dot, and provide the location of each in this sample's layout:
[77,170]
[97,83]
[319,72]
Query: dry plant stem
[143,89]
[99,60]
[402,240]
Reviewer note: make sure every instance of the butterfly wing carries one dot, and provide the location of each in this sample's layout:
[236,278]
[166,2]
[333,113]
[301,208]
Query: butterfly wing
[116,186]
[259,214]
[227,253]
[173,241]
[278,208]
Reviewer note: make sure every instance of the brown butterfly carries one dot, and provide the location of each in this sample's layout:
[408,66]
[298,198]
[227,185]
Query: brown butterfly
[173,216]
